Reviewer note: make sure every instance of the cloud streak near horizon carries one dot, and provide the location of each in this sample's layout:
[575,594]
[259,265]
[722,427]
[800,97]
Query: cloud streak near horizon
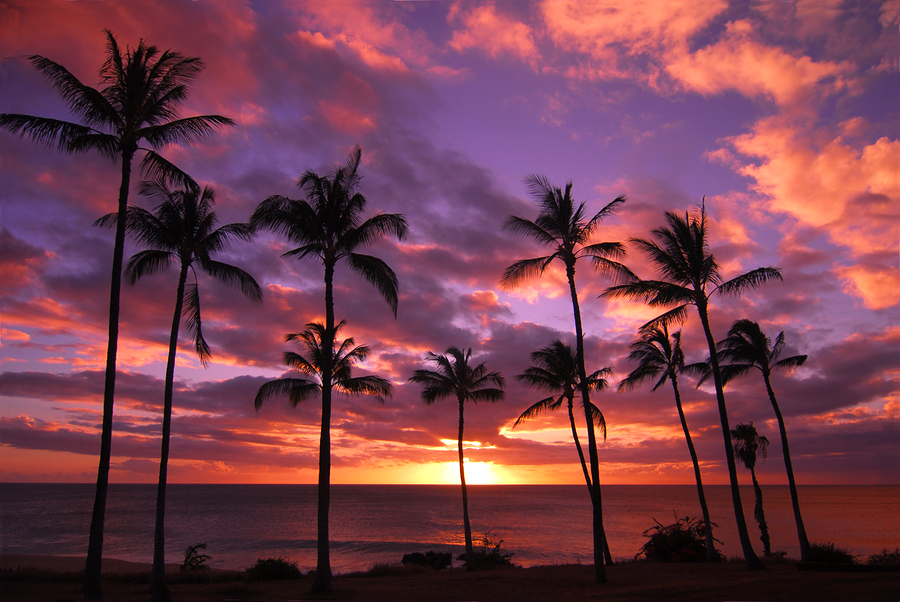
[782,114]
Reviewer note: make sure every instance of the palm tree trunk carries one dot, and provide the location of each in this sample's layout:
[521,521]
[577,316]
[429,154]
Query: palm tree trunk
[760,515]
[749,555]
[158,588]
[710,542]
[90,586]
[596,501]
[795,502]
[322,582]
[467,528]
[587,478]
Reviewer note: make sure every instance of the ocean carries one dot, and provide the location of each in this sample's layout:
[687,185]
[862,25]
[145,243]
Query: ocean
[539,524]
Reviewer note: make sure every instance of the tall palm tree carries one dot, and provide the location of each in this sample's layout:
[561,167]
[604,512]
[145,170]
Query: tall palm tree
[747,444]
[182,231]
[689,276]
[143,90]
[556,371]
[328,225]
[313,340]
[662,359]
[565,228]
[454,376]
[746,347]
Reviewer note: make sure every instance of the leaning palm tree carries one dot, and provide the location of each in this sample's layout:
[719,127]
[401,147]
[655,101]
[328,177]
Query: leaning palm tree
[661,358]
[454,376]
[689,275]
[143,91]
[328,225]
[747,444]
[565,228]
[182,231]
[556,372]
[746,347]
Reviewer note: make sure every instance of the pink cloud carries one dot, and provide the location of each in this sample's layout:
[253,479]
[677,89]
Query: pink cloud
[496,34]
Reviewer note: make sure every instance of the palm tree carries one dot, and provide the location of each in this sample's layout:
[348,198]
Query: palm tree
[556,371]
[454,376]
[565,228]
[181,230]
[746,347]
[690,276]
[747,443]
[328,225]
[143,91]
[662,358]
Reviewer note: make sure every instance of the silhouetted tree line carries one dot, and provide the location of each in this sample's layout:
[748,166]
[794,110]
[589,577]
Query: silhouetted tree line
[142,90]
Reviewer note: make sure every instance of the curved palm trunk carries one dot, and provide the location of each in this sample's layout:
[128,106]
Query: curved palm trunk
[158,587]
[596,500]
[760,515]
[322,582]
[750,556]
[795,502]
[710,542]
[587,477]
[90,586]
[467,528]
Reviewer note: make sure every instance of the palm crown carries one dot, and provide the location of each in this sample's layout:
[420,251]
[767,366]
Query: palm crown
[689,273]
[746,347]
[555,371]
[182,229]
[454,376]
[748,444]
[345,357]
[328,224]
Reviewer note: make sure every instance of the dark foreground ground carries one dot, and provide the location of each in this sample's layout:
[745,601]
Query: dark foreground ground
[56,579]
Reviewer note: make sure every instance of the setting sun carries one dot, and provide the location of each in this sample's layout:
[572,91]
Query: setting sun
[477,473]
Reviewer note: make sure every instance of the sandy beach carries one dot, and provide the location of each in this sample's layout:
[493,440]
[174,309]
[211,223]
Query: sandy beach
[54,578]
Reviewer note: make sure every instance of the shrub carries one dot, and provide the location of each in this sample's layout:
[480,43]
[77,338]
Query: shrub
[825,551]
[431,559]
[194,560]
[488,554]
[682,541]
[274,569]
[885,558]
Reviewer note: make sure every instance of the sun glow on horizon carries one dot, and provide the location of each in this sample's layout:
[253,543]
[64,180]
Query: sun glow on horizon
[477,473]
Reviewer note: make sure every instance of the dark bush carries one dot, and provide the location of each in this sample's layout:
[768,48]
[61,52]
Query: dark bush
[274,569]
[430,559]
[825,551]
[683,541]
[194,560]
[885,558]
[488,554]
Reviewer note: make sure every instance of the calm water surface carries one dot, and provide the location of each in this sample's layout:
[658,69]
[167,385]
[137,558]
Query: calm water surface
[540,524]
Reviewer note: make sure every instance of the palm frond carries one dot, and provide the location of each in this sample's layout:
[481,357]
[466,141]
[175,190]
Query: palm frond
[750,280]
[379,274]
[524,269]
[296,390]
[232,275]
[546,404]
[147,263]
[194,322]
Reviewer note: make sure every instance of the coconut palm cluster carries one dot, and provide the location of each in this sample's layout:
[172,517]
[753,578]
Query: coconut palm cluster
[136,112]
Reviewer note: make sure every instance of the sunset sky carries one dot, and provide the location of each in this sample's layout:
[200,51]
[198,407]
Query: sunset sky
[783,113]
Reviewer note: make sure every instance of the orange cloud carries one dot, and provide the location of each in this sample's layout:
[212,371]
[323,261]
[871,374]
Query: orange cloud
[496,34]
[739,62]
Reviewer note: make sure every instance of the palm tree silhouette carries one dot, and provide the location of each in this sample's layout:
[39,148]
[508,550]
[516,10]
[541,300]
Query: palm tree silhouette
[328,225]
[143,91]
[747,444]
[181,230]
[746,347]
[565,228]
[556,371]
[454,376]
[662,358]
[690,276]
[313,340]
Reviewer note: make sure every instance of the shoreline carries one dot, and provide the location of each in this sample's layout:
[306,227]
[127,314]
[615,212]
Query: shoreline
[30,578]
